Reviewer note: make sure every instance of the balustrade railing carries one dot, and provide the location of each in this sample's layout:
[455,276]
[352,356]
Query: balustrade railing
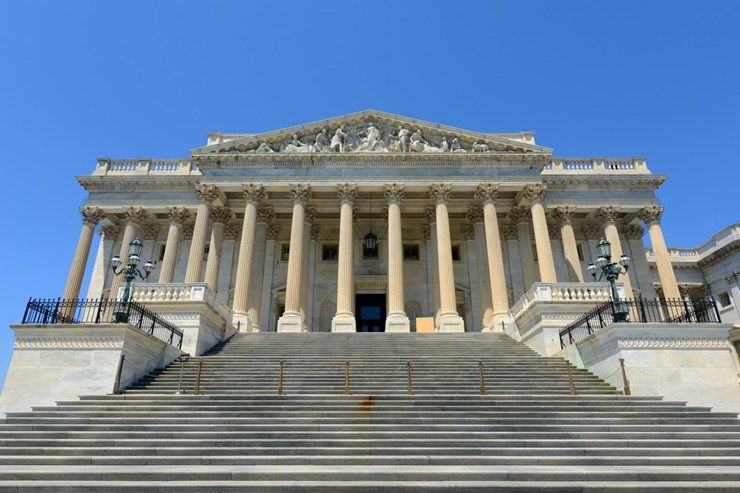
[596,165]
[561,292]
[641,311]
[178,292]
[145,166]
[93,311]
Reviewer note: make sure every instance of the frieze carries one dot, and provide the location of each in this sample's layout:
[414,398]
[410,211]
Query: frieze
[595,351]
[68,343]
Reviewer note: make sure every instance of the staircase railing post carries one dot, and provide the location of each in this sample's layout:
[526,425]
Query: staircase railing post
[570,379]
[346,377]
[624,378]
[117,383]
[280,379]
[408,377]
[482,383]
[196,391]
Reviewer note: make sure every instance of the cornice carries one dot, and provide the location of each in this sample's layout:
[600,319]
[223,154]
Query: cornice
[138,184]
[602,182]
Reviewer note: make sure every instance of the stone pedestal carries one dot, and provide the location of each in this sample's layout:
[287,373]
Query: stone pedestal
[291,322]
[451,323]
[397,323]
[343,323]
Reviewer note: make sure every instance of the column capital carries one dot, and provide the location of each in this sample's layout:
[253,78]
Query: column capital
[315,232]
[632,232]
[253,192]
[591,231]
[300,192]
[534,192]
[553,231]
[440,192]
[468,232]
[431,214]
[221,215]
[520,215]
[564,213]
[231,232]
[310,215]
[732,278]
[272,231]
[685,289]
[151,231]
[426,231]
[651,214]
[205,192]
[265,215]
[346,192]
[487,192]
[178,214]
[607,214]
[187,231]
[475,214]
[510,232]
[134,215]
[394,192]
[91,215]
[109,232]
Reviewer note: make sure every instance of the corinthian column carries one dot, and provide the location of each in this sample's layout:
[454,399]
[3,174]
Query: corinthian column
[430,235]
[177,216]
[344,319]
[265,215]
[487,192]
[608,216]
[535,193]
[219,217]
[521,217]
[397,320]
[133,217]
[651,215]
[91,216]
[206,195]
[449,320]
[564,215]
[476,216]
[291,319]
[253,193]
[306,262]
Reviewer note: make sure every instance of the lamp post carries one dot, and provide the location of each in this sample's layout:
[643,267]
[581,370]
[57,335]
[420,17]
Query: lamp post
[130,272]
[611,272]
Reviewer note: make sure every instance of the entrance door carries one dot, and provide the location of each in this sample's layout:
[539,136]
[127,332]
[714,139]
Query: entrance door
[370,312]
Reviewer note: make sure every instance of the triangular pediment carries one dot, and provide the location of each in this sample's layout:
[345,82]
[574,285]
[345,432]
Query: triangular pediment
[370,132]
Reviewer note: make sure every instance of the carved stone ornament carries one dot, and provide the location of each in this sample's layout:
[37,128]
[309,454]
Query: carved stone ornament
[187,231]
[468,232]
[686,289]
[310,215]
[300,192]
[633,232]
[206,192]
[534,192]
[520,215]
[564,213]
[134,215]
[92,215]
[355,214]
[253,192]
[591,231]
[706,290]
[426,231]
[384,212]
[440,192]
[394,192]
[553,230]
[315,232]
[732,278]
[607,214]
[231,232]
[651,215]
[272,231]
[178,214]
[431,214]
[486,191]
[265,215]
[221,215]
[151,231]
[510,232]
[475,214]
[109,232]
[346,192]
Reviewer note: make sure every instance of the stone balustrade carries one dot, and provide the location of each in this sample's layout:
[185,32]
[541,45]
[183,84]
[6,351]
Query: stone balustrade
[596,165]
[561,292]
[716,242]
[174,292]
[157,167]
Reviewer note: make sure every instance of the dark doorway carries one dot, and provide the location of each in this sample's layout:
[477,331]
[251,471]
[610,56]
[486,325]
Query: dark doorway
[370,312]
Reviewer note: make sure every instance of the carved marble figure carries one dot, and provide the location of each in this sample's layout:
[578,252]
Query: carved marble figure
[337,142]
[480,147]
[322,141]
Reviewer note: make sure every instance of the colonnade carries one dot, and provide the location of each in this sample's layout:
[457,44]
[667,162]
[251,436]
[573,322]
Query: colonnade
[248,287]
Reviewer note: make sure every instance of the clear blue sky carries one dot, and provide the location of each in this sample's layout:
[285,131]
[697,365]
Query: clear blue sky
[82,80]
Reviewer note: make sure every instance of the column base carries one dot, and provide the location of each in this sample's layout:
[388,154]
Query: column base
[451,322]
[397,323]
[499,322]
[241,322]
[290,322]
[343,323]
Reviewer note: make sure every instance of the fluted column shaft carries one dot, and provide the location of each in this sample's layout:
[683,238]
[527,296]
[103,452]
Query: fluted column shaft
[90,218]
[570,249]
[542,240]
[447,302]
[495,261]
[521,217]
[214,256]
[198,244]
[486,298]
[253,193]
[134,216]
[295,258]
[395,259]
[651,216]
[167,273]
[345,282]
[310,217]
[254,306]
[608,216]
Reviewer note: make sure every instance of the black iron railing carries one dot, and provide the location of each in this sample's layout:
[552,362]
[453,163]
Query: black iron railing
[60,311]
[654,311]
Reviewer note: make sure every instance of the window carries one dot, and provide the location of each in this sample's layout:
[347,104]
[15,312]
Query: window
[279,312]
[579,247]
[370,253]
[285,251]
[411,252]
[206,250]
[456,253]
[330,252]
[160,257]
[724,299]
[534,252]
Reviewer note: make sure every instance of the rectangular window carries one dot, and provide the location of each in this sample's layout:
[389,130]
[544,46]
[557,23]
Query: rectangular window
[724,299]
[579,247]
[456,253]
[330,252]
[411,252]
[285,251]
[279,312]
[160,257]
[206,250]
[370,253]
[534,251]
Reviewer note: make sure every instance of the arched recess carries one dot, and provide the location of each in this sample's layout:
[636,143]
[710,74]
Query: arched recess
[326,313]
[413,310]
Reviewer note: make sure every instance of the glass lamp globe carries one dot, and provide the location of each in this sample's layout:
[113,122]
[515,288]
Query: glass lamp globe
[604,248]
[148,267]
[625,261]
[115,262]
[134,248]
[134,259]
[592,269]
[602,262]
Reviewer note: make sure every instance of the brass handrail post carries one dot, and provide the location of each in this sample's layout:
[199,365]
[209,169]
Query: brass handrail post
[117,384]
[408,376]
[280,379]
[196,391]
[482,383]
[346,377]
[570,379]
[624,378]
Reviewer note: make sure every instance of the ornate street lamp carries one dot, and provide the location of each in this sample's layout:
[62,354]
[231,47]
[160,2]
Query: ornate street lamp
[611,272]
[130,272]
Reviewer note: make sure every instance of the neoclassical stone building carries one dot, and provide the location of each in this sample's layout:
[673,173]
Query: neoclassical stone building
[371,221]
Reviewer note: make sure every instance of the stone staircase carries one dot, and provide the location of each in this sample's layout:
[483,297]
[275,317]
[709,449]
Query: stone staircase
[526,434]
